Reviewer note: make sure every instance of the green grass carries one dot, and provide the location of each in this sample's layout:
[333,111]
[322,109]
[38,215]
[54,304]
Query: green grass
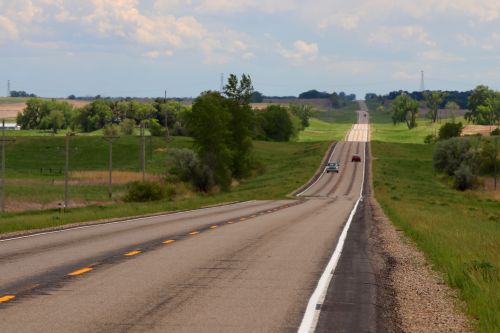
[319,130]
[278,178]
[331,125]
[458,232]
[8,100]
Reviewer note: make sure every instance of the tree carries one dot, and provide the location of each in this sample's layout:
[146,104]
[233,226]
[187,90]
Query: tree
[277,124]
[209,124]
[434,99]
[94,116]
[257,97]
[405,109]
[478,97]
[303,112]
[450,130]
[238,101]
[453,108]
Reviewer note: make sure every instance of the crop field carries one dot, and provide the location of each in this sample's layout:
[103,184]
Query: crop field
[11,106]
[459,232]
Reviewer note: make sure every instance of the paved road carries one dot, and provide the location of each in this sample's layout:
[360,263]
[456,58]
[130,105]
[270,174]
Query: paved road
[248,267]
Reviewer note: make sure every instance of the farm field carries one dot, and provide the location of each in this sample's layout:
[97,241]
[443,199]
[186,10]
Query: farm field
[11,106]
[459,232]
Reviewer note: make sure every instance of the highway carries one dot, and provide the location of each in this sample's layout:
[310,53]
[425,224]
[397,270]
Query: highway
[245,267]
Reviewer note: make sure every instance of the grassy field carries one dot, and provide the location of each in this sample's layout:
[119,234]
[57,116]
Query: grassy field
[458,232]
[330,125]
[277,178]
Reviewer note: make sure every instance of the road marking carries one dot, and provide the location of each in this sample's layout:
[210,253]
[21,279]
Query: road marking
[132,253]
[253,216]
[169,241]
[230,222]
[6,298]
[80,271]
[194,233]
[123,221]
[243,219]
[311,316]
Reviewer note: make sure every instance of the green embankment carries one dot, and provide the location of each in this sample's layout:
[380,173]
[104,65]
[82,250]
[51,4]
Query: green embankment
[283,168]
[458,232]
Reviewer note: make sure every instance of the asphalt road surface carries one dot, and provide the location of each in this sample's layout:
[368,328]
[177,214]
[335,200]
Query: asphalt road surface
[247,267]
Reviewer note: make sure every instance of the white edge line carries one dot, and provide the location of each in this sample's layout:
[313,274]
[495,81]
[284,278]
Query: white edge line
[324,170]
[311,315]
[120,221]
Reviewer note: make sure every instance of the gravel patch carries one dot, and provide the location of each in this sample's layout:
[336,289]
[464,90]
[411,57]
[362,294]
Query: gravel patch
[422,302]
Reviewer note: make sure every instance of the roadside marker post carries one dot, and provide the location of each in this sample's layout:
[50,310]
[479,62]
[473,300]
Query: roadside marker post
[109,139]
[4,140]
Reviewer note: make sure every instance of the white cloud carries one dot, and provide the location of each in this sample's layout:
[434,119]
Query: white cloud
[395,35]
[238,6]
[300,52]
[405,76]
[8,29]
[437,55]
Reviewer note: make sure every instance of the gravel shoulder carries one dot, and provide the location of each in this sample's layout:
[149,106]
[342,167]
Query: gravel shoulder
[415,298]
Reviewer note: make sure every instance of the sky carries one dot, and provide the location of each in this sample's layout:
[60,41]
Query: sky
[55,48]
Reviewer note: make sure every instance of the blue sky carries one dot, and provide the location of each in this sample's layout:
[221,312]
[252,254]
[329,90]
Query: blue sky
[55,48]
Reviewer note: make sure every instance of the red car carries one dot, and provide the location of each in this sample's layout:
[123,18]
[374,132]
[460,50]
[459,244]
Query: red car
[356,158]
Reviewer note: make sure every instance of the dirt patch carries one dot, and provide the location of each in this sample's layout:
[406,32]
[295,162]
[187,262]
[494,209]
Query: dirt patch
[484,130]
[22,206]
[101,177]
[10,110]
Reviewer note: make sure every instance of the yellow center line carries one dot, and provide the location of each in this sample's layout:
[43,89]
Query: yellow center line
[6,298]
[230,222]
[80,271]
[169,241]
[213,227]
[132,253]
[194,233]
[243,219]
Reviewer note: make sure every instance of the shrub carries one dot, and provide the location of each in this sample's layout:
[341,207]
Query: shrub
[450,130]
[429,139]
[110,130]
[144,191]
[127,127]
[495,132]
[155,128]
[450,154]
[464,178]
[188,167]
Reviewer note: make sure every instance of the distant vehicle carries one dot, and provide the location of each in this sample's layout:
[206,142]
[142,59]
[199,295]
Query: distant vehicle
[332,167]
[356,158]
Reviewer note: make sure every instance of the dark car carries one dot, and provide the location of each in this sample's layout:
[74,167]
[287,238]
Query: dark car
[356,158]
[332,167]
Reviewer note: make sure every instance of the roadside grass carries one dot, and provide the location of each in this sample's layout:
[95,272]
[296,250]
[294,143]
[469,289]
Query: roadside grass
[458,232]
[320,130]
[284,167]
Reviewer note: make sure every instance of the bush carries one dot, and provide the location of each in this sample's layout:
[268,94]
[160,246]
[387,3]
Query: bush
[495,132]
[429,139]
[464,178]
[450,130]
[127,127]
[188,167]
[155,128]
[144,191]
[110,130]
[450,154]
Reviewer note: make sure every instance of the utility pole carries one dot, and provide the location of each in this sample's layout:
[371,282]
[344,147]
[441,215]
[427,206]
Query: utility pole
[221,82]
[495,163]
[422,85]
[109,139]
[2,188]
[166,133]
[8,88]
[66,171]
[143,153]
